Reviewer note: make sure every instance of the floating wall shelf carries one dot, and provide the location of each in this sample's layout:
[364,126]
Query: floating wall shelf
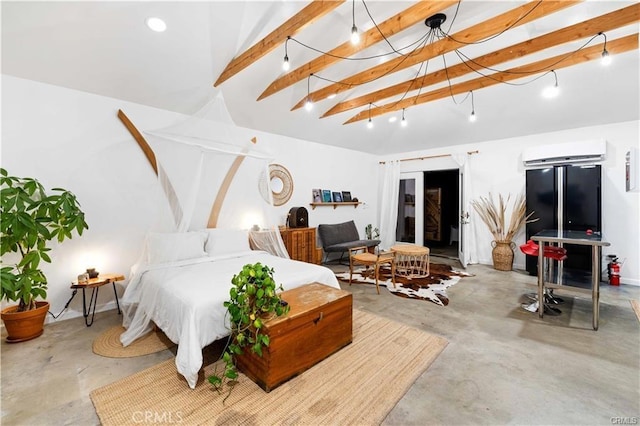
[355,204]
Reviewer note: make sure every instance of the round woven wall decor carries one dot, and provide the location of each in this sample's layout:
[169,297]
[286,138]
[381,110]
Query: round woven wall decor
[281,184]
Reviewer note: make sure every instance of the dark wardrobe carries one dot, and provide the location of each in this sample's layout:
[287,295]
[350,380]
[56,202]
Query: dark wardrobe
[565,198]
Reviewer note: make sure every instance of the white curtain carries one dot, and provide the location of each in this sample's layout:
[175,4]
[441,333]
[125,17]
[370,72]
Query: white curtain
[388,213]
[470,252]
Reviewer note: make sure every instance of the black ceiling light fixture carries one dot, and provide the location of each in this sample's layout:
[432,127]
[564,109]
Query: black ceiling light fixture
[434,22]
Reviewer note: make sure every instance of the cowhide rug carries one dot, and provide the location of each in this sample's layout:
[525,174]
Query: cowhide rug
[431,288]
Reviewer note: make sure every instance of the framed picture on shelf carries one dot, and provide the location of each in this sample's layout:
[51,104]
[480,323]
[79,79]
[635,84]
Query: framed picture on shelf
[337,197]
[346,196]
[317,195]
[326,196]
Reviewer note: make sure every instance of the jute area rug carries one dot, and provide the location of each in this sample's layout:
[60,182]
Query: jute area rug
[636,308]
[357,385]
[432,288]
[108,344]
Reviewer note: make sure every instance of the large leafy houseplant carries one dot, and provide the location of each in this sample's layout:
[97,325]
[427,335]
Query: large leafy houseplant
[253,299]
[30,219]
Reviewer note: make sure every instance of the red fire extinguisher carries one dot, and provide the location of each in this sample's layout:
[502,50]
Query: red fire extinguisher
[614,272]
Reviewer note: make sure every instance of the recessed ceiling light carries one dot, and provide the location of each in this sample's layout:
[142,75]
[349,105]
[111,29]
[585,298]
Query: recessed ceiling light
[156,24]
[392,119]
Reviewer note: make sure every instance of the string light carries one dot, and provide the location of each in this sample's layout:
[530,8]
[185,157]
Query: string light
[355,35]
[606,58]
[473,117]
[285,63]
[435,32]
[552,91]
[308,105]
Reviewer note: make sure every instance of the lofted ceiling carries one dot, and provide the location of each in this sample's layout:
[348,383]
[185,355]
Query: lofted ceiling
[501,51]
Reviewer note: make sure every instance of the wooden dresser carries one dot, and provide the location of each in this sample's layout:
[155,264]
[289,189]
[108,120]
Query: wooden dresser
[301,243]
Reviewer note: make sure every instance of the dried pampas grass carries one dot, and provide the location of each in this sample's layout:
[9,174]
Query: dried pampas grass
[493,215]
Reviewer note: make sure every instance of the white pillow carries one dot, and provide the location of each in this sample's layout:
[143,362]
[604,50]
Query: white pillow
[224,241]
[172,247]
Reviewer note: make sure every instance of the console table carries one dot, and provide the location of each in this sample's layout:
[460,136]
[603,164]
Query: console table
[594,240]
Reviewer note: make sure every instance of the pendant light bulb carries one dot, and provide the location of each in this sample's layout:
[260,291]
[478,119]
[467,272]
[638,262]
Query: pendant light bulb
[606,59]
[285,63]
[355,35]
[403,122]
[370,124]
[308,105]
[552,91]
[472,117]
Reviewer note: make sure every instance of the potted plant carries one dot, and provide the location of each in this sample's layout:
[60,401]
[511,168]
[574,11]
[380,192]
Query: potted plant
[494,216]
[371,233]
[30,218]
[252,301]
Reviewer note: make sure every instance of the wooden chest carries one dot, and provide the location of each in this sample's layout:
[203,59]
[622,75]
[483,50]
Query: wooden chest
[318,324]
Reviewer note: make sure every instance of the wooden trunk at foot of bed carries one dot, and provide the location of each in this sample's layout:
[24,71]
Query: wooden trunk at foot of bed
[318,324]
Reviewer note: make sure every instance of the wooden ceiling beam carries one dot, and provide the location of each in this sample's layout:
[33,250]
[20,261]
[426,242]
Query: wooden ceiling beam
[617,46]
[405,19]
[590,27]
[311,13]
[515,17]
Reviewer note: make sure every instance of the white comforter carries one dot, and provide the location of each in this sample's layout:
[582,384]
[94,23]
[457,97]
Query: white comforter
[185,299]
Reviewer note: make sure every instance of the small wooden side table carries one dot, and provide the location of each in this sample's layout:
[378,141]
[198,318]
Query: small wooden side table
[94,284]
[411,261]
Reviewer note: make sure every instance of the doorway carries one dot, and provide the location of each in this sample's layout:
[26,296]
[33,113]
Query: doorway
[410,224]
[442,212]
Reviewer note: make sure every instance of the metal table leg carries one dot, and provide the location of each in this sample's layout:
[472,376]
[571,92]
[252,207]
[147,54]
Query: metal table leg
[92,301]
[595,290]
[541,279]
[116,295]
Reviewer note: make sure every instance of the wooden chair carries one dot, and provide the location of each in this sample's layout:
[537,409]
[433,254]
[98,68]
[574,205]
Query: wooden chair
[361,256]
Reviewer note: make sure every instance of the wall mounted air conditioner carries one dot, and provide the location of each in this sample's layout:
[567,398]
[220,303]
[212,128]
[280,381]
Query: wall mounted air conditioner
[586,152]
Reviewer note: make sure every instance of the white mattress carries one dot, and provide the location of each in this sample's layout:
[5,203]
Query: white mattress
[185,299]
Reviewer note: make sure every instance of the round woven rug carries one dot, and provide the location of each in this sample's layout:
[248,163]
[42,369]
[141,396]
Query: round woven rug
[108,344]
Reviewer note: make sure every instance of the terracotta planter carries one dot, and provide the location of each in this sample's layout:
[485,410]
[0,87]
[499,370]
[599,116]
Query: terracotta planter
[502,254]
[22,326]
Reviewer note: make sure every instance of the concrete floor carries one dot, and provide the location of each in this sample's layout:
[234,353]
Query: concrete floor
[503,365]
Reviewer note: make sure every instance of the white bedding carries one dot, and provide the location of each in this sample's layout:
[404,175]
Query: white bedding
[185,299]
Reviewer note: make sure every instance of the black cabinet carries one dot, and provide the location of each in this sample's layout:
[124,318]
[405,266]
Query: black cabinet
[565,198]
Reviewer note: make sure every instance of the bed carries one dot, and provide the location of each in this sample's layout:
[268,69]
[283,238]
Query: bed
[183,280]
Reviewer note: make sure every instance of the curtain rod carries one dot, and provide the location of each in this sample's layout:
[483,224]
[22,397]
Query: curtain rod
[431,156]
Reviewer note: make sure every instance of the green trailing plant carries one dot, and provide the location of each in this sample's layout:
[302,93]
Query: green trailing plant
[253,299]
[371,233]
[494,216]
[30,219]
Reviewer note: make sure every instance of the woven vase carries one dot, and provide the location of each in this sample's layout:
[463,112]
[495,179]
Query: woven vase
[502,254]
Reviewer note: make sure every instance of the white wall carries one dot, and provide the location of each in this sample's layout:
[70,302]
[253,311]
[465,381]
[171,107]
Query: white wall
[497,168]
[74,140]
